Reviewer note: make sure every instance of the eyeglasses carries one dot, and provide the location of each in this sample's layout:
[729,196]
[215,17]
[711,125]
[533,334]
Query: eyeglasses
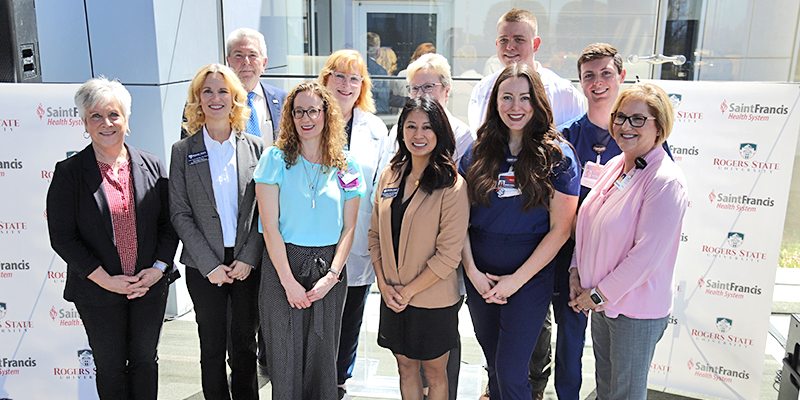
[313,113]
[353,80]
[636,121]
[426,88]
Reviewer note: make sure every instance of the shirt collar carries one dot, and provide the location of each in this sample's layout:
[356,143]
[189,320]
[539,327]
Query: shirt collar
[209,142]
[259,91]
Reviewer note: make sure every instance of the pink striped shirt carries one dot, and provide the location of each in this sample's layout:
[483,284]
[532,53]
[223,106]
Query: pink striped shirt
[627,240]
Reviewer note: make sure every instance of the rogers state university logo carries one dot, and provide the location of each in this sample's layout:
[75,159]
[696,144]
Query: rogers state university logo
[747,150]
[735,239]
[675,99]
[724,324]
[86,357]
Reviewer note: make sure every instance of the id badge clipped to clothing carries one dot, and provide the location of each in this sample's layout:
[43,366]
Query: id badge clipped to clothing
[591,172]
[348,180]
[505,185]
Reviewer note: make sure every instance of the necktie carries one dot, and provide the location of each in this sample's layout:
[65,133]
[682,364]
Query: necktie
[252,123]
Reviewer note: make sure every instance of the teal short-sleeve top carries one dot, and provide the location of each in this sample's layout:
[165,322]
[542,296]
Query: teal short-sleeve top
[311,200]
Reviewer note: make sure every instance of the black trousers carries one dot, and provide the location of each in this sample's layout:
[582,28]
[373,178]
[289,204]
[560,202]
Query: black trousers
[211,309]
[124,340]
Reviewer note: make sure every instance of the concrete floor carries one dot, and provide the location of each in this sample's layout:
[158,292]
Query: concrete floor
[375,375]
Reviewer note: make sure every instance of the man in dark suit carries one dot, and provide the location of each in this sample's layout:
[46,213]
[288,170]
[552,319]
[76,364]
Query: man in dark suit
[247,56]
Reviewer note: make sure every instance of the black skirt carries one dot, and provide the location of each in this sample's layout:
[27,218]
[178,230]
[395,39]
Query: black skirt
[419,333]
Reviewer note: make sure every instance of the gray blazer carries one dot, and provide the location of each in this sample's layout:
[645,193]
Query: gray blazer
[193,210]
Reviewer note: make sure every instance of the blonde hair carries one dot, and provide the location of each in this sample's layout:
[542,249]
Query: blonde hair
[333,138]
[434,62]
[519,15]
[350,62]
[657,101]
[193,112]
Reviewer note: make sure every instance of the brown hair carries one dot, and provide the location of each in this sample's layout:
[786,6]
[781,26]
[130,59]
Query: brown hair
[423,49]
[333,137]
[540,151]
[596,51]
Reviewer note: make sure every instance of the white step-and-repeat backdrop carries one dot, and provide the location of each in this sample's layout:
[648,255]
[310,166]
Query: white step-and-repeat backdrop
[735,142]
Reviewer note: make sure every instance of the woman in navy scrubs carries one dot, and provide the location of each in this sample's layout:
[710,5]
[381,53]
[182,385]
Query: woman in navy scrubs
[523,187]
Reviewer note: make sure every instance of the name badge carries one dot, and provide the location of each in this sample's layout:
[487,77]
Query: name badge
[388,193]
[591,172]
[505,185]
[622,182]
[197,158]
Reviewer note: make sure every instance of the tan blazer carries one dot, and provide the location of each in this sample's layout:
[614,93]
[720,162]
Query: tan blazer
[432,235]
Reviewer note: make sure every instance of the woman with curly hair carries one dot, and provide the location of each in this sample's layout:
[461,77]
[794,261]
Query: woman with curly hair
[213,209]
[308,194]
[523,186]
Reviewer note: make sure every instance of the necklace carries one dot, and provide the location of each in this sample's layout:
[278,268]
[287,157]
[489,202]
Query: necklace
[312,186]
[416,178]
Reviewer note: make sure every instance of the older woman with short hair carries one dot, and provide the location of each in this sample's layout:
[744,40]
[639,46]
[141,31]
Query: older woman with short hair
[108,218]
[626,243]
[345,76]
[213,205]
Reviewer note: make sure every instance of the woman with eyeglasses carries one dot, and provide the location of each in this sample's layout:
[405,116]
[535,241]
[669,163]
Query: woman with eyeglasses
[308,192]
[345,75]
[626,244]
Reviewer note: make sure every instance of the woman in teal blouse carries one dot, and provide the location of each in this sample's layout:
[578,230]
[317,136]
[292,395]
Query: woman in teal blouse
[308,192]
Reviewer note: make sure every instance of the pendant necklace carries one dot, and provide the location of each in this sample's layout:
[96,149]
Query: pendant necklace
[312,186]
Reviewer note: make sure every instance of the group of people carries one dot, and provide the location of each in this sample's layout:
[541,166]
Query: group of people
[291,205]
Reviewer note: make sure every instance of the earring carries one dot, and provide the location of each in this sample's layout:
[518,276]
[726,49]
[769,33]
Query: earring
[127,133]
[85,135]
[199,112]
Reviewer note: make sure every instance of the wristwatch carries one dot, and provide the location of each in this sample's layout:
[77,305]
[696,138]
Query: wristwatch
[596,298]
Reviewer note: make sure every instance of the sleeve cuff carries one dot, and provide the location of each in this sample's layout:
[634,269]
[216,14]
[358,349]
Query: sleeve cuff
[212,271]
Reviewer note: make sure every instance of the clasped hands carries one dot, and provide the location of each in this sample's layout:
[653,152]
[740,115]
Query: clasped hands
[300,298]
[495,288]
[580,298]
[131,286]
[227,273]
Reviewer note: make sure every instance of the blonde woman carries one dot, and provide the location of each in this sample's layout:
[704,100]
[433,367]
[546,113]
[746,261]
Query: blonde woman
[212,201]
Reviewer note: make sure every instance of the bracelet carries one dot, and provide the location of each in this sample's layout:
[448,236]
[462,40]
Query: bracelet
[337,273]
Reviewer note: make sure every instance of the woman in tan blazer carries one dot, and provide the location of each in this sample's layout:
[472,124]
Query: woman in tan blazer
[419,223]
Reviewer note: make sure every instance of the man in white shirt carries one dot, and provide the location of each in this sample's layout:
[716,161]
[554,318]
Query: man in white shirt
[247,56]
[517,42]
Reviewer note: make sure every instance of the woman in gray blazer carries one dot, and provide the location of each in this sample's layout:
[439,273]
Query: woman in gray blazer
[213,208]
